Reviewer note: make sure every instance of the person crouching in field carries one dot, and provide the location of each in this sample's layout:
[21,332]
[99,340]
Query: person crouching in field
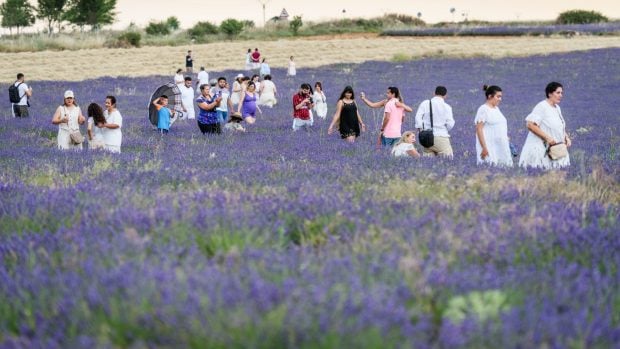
[164,114]
[68,117]
[95,127]
[302,103]
[347,116]
[404,146]
[207,116]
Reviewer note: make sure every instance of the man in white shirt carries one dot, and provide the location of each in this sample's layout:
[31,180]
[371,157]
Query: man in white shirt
[187,98]
[202,79]
[20,109]
[225,104]
[443,121]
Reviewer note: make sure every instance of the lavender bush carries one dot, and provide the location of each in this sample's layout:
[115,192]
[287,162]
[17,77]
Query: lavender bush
[511,30]
[275,239]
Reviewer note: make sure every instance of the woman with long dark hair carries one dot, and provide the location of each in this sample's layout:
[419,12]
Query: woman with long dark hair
[347,116]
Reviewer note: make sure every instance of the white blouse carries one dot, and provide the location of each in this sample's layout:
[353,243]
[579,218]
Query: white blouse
[495,130]
[549,119]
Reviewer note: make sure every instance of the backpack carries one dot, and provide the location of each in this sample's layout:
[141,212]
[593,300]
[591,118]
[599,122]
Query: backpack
[14,93]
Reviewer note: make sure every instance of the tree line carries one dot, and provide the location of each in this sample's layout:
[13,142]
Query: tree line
[82,13]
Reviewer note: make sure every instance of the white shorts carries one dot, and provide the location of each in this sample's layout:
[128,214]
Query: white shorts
[299,123]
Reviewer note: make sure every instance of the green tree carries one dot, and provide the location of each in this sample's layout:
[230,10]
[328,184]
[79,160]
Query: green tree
[16,13]
[295,24]
[580,17]
[51,11]
[173,23]
[94,13]
[231,27]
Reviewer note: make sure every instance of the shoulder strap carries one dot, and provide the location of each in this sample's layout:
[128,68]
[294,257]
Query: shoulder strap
[430,106]
[562,119]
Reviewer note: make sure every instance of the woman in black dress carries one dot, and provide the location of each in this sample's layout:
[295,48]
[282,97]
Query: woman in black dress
[347,117]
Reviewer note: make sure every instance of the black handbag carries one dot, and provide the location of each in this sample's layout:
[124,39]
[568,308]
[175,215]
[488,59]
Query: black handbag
[426,137]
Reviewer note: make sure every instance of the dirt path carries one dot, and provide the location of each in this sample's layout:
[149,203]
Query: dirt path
[308,52]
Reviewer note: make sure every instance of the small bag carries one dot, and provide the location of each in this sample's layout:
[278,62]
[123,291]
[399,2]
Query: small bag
[76,137]
[557,151]
[426,137]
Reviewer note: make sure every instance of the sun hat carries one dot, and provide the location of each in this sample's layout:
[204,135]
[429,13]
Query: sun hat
[69,94]
[240,75]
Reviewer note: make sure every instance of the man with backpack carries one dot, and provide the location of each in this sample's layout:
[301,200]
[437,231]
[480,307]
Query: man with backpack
[19,93]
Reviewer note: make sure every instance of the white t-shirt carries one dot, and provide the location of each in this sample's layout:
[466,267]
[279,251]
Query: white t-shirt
[203,79]
[187,97]
[97,131]
[402,149]
[225,95]
[22,92]
[179,79]
[113,137]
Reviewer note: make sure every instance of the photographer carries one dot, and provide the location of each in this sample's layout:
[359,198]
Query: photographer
[302,103]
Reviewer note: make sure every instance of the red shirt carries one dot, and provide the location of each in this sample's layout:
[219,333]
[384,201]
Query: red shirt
[255,56]
[304,112]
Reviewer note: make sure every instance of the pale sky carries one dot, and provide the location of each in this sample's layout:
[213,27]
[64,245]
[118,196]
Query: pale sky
[191,11]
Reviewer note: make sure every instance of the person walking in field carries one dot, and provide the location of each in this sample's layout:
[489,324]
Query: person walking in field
[19,99]
[189,62]
[302,104]
[187,98]
[264,69]
[201,79]
[347,117]
[235,94]
[221,90]
[547,130]
[320,102]
[178,77]
[207,117]
[443,121]
[492,144]
[255,57]
[291,71]
[68,117]
[247,105]
[393,116]
[112,135]
[267,92]
[96,120]
[248,60]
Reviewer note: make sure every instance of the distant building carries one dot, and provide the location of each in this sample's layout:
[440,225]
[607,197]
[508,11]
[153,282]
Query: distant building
[283,15]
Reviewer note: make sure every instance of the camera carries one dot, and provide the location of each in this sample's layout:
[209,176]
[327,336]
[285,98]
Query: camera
[310,100]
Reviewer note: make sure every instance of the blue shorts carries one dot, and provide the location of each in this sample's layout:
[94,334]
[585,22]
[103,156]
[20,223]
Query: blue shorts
[388,142]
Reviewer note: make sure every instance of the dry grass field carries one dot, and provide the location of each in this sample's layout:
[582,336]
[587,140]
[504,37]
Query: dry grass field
[308,52]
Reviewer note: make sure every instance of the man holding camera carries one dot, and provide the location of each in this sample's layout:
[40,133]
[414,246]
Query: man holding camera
[302,103]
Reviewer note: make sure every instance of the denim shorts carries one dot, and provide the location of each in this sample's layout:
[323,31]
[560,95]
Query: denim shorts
[222,116]
[388,142]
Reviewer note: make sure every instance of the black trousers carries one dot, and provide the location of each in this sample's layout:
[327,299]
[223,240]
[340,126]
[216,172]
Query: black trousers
[210,128]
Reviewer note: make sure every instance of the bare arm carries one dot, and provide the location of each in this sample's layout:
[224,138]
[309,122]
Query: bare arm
[413,153]
[379,104]
[89,130]
[481,140]
[535,129]
[336,118]
[386,118]
[58,118]
[359,119]
[404,106]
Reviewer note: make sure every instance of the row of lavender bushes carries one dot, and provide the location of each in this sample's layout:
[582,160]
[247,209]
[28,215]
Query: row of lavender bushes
[274,239]
[610,28]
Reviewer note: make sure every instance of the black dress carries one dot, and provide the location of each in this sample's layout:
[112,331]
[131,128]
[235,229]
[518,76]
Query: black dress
[349,124]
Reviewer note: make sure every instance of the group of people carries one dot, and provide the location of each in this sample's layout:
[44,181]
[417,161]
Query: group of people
[546,145]
[104,125]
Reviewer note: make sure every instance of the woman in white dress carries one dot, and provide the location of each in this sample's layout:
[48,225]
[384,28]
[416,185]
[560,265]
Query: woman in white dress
[264,69]
[404,146]
[320,102]
[268,92]
[235,94]
[248,60]
[95,127]
[291,68]
[256,80]
[546,127]
[68,117]
[492,144]
[112,134]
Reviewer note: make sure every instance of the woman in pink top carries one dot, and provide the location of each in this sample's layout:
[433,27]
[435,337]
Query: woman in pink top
[394,115]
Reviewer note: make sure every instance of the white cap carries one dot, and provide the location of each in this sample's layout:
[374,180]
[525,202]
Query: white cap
[69,93]
[240,75]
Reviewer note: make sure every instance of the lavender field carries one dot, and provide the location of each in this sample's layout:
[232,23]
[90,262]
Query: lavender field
[275,239]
